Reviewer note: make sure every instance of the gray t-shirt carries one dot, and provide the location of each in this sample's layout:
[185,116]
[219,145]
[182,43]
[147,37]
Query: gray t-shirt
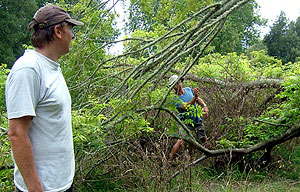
[36,87]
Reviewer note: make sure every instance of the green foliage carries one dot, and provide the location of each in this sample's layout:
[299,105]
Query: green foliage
[3,75]
[87,126]
[289,167]
[256,132]
[273,122]
[240,130]
[283,39]
[233,138]
[6,180]
[15,16]
[289,110]
[86,129]
[88,48]
[231,178]
[258,46]
[148,14]
[6,164]
[240,68]
[6,171]
[238,33]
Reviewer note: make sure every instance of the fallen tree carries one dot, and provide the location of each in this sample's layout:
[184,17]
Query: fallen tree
[266,146]
[125,95]
[260,84]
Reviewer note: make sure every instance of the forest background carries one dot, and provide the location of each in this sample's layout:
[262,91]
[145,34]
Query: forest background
[124,123]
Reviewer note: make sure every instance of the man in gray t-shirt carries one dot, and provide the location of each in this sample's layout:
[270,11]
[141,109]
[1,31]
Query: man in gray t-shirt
[39,107]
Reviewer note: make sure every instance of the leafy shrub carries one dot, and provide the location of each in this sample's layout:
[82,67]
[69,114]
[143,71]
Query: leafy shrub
[6,171]
[3,75]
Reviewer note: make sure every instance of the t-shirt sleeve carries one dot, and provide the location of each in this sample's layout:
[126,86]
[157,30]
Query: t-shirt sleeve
[22,93]
[190,90]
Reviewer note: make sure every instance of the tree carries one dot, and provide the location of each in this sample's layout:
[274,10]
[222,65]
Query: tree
[240,30]
[238,33]
[283,39]
[89,47]
[293,41]
[15,16]
[258,46]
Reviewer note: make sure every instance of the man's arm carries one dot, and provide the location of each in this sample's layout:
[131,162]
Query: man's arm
[22,152]
[203,105]
[192,101]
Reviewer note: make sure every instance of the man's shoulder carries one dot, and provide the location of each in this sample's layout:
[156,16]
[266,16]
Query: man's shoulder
[27,60]
[187,89]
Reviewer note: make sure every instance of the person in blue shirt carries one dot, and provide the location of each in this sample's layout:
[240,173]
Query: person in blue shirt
[186,103]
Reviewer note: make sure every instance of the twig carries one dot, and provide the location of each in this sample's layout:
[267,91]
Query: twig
[3,129]
[189,165]
[271,123]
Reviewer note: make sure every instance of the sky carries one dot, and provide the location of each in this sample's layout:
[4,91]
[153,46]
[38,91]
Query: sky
[270,9]
[122,9]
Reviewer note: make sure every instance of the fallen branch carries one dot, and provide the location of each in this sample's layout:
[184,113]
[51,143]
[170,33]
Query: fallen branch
[291,133]
[270,83]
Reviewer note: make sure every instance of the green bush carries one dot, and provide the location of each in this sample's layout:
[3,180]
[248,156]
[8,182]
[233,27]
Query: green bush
[6,171]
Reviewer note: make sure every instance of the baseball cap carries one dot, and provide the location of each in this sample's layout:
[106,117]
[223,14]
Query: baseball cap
[172,79]
[51,15]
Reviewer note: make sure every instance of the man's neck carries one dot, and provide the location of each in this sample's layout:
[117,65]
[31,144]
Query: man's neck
[179,92]
[47,51]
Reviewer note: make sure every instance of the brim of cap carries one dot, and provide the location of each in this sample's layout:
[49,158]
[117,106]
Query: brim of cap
[170,84]
[74,22]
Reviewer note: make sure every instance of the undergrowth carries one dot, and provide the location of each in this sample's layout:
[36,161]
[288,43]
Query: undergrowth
[282,174]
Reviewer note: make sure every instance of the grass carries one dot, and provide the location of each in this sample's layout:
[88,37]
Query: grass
[233,181]
[283,174]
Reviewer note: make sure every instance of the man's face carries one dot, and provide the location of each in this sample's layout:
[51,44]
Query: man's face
[67,37]
[178,86]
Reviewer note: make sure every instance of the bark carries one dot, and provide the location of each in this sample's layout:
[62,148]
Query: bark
[264,83]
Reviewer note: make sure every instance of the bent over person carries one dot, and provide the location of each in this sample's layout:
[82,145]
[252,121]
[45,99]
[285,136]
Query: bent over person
[188,96]
[39,107]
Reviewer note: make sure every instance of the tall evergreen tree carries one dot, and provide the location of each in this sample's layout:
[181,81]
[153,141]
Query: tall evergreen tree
[283,39]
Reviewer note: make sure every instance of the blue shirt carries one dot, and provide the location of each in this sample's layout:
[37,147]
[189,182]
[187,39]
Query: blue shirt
[185,98]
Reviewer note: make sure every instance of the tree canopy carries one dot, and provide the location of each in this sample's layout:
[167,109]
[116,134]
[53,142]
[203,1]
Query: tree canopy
[15,16]
[239,32]
[283,40]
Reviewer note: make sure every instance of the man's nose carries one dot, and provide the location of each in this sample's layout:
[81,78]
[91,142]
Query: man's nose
[72,34]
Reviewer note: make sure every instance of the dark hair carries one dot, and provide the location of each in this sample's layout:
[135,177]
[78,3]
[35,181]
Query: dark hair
[40,37]
[181,79]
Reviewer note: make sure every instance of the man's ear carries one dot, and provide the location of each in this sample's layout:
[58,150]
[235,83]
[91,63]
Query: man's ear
[58,31]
